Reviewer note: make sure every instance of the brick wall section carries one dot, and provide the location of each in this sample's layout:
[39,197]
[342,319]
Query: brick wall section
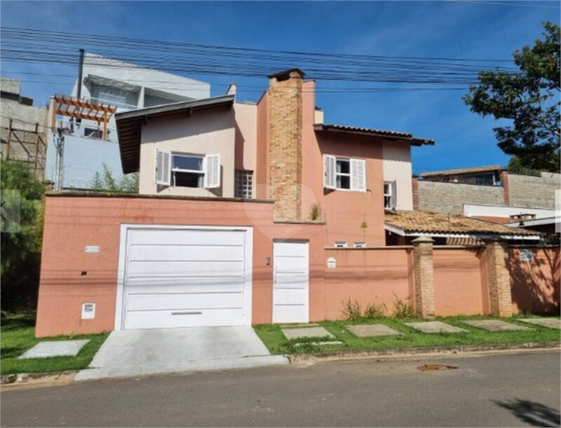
[534,192]
[424,277]
[498,279]
[451,197]
[285,145]
[415,186]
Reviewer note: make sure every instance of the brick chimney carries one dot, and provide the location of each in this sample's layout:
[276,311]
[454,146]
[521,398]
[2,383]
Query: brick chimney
[285,143]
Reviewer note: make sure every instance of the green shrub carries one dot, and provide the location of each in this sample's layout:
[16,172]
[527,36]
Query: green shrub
[402,308]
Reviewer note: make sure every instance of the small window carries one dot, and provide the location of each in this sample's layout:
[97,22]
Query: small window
[93,133]
[360,244]
[389,195]
[187,171]
[340,244]
[243,184]
[343,174]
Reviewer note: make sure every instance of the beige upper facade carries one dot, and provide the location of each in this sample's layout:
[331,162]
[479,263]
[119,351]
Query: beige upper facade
[276,149]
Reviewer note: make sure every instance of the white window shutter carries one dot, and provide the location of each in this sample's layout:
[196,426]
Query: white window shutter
[394,195]
[163,168]
[358,175]
[329,171]
[212,171]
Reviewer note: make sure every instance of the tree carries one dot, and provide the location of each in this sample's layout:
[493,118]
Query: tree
[22,232]
[106,181]
[529,98]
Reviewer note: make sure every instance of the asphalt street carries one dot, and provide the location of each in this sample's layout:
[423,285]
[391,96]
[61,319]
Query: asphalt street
[520,389]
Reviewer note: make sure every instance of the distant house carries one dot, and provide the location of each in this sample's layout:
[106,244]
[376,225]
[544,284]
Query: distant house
[124,86]
[23,127]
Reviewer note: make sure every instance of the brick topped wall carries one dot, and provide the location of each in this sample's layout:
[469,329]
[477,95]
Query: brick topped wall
[451,197]
[285,144]
[533,192]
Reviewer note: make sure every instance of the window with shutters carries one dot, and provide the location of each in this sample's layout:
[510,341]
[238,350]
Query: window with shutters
[187,170]
[344,173]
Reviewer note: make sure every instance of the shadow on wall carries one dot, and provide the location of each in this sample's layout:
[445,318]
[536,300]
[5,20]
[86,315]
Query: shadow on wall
[532,413]
[535,283]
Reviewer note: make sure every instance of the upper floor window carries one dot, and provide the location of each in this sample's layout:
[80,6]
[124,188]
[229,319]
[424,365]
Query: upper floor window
[187,170]
[344,173]
[390,195]
[243,184]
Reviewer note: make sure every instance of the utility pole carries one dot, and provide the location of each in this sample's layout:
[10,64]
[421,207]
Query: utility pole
[79,84]
[59,160]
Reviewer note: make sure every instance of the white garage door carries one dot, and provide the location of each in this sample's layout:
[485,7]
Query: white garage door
[186,277]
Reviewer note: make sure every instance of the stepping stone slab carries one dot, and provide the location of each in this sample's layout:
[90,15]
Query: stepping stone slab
[371,330]
[434,327]
[55,348]
[299,333]
[544,322]
[495,325]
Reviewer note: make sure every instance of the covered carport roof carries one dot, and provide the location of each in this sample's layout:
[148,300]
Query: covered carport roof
[129,124]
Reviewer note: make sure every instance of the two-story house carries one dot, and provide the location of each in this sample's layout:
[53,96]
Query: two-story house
[237,204]
[279,149]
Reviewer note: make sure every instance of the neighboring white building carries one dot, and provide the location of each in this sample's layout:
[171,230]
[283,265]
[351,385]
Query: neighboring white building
[126,86]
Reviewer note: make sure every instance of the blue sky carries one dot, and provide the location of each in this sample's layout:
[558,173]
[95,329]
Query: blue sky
[453,29]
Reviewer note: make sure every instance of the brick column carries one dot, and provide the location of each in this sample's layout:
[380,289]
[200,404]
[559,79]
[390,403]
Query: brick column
[424,277]
[285,143]
[415,186]
[498,279]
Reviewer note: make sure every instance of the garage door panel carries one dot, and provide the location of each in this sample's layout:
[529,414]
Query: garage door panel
[186,301]
[185,253]
[185,277]
[179,288]
[174,268]
[171,319]
[186,237]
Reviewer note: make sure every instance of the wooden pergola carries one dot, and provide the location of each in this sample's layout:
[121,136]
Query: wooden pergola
[64,105]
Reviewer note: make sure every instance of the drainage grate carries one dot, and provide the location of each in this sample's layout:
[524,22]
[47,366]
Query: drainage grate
[435,367]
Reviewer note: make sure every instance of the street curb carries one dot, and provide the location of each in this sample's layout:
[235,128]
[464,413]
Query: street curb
[21,378]
[427,350]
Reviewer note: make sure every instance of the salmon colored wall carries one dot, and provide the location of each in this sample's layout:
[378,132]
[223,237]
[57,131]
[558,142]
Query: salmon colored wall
[369,276]
[343,211]
[262,152]
[458,289]
[535,284]
[70,277]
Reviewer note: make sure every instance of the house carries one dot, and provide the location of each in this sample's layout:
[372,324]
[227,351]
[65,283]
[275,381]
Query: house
[105,82]
[246,214]
[23,127]
[276,149]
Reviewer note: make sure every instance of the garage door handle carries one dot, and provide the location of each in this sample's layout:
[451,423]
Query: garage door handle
[186,313]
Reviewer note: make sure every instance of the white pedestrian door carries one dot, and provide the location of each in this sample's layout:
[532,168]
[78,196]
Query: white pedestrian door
[290,282]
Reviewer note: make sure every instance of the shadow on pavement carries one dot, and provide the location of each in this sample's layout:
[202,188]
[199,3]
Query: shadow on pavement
[533,413]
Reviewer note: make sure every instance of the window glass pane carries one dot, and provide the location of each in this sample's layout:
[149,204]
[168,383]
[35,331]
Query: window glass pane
[387,188]
[188,179]
[188,162]
[343,166]
[343,182]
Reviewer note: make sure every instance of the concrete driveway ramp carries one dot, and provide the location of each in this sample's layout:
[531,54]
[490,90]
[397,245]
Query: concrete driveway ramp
[128,353]
[434,327]
[495,325]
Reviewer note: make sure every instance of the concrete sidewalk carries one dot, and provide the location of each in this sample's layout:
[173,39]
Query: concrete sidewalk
[128,353]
